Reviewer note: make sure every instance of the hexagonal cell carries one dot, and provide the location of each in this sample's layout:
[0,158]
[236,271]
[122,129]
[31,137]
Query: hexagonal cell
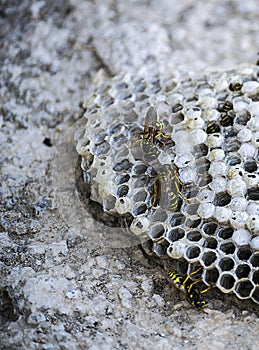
[255,295]
[192,222]
[177,219]
[121,178]
[139,208]
[244,288]
[122,190]
[222,199]
[200,150]
[226,282]
[211,275]
[210,242]
[139,169]
[140,196]
[250,166]
[209,228]
[194,236]
[244,253]
[160,248]
[253,193]
[226,264]
[209,257]
[227,247]
[191,209]
[158,214]
[192,253]
[255,277]
[233,160]
[175,234]
[156,231]
[243,270]
[254,260]
[225,232]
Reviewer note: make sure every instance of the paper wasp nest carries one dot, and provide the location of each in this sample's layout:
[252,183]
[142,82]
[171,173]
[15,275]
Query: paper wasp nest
[184,170]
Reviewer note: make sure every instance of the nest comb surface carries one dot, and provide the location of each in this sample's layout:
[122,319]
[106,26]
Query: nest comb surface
[193,188]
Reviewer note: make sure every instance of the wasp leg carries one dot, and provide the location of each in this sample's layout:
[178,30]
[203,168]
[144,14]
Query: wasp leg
[190,274]
[206,290]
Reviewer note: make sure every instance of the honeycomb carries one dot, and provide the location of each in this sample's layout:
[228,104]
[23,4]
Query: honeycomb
[191,188]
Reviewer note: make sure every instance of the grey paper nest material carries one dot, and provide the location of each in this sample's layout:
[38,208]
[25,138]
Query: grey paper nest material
[192,189]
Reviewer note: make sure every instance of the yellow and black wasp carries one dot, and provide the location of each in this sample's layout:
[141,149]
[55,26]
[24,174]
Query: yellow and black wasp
[190,289]
[152,132]
[235,87]
[166,188]
[227,119]
[170,188]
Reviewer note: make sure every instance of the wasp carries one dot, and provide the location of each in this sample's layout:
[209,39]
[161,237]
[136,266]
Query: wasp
[152,132]
[212,128]
[235,87]
[227,119]
[189,288]
[167,188]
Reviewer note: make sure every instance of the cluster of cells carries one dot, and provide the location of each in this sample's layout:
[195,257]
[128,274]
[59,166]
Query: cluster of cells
[188,179]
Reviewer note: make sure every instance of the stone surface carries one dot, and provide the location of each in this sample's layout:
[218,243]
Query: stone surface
[58,290]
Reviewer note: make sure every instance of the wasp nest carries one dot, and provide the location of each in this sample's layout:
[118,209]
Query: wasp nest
[179,155]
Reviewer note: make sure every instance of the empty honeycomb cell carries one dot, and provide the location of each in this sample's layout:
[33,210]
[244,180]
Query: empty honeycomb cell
[109,203]
[193,252]
[123,165]
[222,199]
[139,208]
[253,193]
[177,219]
[244,288]
[139,169]
[209,228]
[160,248]
[255,295]
[158,215]
[210,242]
[121,178]
[250,166]
[255,277]
[101,148]
[192,222]
[226,282]
[204,180]
[156,231]
[233,160]
[243,270]
[227,247]
[232,146]
[226,264]
[140,196]
[254,260]
[244,253]
[209,257]
[175,234]
[211,275]
[200,150]
[176,118]
[122,190]
[191,209]
[194,236]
